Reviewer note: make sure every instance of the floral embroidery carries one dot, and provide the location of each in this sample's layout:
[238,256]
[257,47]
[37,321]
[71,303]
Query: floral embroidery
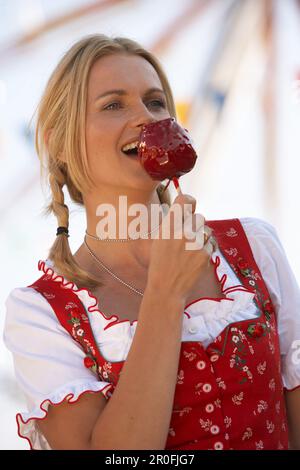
[259,445]
[247,271]
[262,406]
[237,399]
[247,434]
[256,330]
[206,388]
[243,267]
[198,386]
[283,427]
[90,363]
[252,276]
[78,334]
[71,305]
[91,348]
[227,422]
[231,232]
[200,365]
[189,355]
[184,411]
[238,356]
[272,385]
[267,308]
[221,383]
[180,377]
[232,252]
[270,426]
[106,370]
[74,318]
[261,368]
[272,347]
[206,425]
[49,296]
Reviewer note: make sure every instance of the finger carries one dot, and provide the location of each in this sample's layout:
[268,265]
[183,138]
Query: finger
[207,233]
[209,248]
[193,227]
[187,203]
[213,242]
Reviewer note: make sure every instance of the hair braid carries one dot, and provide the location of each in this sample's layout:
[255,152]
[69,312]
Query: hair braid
[60,252]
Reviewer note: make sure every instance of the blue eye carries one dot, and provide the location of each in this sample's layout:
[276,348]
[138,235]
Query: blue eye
[107,107]
[158,103]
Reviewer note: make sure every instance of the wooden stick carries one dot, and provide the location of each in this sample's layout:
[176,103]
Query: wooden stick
[176,184]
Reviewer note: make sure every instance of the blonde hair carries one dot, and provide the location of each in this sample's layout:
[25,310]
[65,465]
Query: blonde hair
[60,130]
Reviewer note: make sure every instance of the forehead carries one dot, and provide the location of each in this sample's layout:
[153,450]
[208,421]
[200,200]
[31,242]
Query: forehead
[121,71]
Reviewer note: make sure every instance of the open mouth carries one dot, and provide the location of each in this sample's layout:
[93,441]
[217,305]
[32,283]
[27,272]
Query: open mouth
[131,152]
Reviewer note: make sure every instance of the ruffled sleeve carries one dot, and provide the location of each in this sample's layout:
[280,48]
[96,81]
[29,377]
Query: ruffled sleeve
[48,363]
[284,291]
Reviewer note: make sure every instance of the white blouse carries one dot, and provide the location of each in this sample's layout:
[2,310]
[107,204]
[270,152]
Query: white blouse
[49,363]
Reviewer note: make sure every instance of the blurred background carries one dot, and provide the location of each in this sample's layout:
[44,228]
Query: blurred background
[234,67]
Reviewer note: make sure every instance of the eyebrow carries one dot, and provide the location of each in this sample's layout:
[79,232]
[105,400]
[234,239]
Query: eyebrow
[124,92]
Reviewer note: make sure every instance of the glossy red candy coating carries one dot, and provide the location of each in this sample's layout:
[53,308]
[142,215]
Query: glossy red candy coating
[166,150]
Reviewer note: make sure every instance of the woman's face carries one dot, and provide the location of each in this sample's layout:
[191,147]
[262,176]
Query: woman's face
[116,119]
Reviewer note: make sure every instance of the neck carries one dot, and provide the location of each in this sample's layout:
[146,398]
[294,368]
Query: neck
[112,207]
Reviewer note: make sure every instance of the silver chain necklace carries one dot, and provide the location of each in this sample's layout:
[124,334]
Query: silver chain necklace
[121,239]
[110,272]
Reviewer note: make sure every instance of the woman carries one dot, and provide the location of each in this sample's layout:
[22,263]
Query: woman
[201,367]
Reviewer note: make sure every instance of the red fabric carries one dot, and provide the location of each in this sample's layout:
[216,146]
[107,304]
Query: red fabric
[227,396]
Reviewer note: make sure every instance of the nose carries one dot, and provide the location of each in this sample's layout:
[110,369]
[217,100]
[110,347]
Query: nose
[142,117]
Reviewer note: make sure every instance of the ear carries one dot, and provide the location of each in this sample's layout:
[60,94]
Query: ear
[47,138]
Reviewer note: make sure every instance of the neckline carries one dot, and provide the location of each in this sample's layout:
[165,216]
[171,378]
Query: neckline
[47,267]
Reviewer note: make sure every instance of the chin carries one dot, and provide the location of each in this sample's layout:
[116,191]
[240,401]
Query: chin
[138,174]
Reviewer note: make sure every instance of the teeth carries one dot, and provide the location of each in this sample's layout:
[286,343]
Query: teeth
[130,146]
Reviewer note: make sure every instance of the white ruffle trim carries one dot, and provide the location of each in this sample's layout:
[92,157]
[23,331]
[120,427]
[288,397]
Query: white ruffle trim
[209,317]
[203,320]
[70,393]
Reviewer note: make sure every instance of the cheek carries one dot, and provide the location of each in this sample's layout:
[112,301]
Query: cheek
[101,150]
[100,140]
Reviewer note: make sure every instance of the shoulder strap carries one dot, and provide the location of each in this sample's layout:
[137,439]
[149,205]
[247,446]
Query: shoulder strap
[235,247]
[72,316]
